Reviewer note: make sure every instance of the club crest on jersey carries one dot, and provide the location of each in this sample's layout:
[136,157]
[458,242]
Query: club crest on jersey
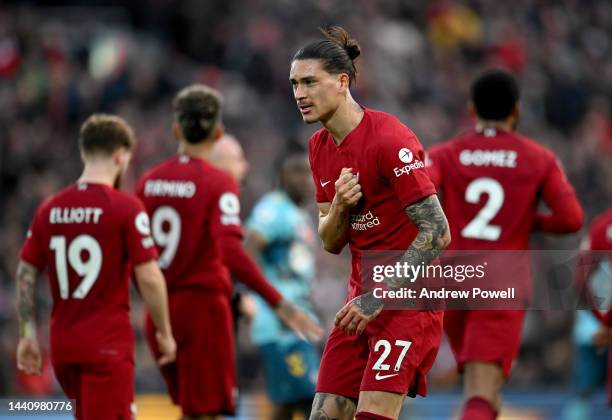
[406,156]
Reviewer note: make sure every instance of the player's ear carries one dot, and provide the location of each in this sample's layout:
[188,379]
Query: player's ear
[516,110]
[219,131]
[116,157]
[176,130]
[343,80]
[472,109]
[119,156]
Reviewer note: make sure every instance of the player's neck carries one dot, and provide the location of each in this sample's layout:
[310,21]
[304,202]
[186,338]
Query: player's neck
[344,120]
[99,173]
[482,125]
[197,150]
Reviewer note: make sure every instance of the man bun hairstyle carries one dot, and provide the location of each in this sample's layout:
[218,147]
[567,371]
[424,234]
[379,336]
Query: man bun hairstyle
[337,52]
[197,110]
[103,134]
[494,94]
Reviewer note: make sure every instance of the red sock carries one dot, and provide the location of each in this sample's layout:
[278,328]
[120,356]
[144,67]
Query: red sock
[477,408]
[364,415]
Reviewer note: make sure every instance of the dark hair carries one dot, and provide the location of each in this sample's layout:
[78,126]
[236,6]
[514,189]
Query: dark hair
[197,109]
[494,94]
[337,52]
[103,134]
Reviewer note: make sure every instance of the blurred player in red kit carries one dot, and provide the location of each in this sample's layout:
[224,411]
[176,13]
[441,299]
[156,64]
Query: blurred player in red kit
[373,193]
[195,219]
[90,236]
[593,276]
[491,180]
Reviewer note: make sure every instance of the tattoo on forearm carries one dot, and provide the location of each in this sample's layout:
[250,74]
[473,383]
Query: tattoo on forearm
[428,216]
[332,407]
[26,278]
[367,304]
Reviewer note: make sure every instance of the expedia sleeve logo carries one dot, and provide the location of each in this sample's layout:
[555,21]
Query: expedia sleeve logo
[406,156]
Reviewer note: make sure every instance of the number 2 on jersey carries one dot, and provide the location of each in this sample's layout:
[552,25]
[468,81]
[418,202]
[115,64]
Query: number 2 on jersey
[479,227]
[169,239]
[88,269]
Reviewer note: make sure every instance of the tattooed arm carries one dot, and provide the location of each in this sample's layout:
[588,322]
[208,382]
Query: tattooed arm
[28,353]
[433,237]
[332,407]
[26,278]
[334,216]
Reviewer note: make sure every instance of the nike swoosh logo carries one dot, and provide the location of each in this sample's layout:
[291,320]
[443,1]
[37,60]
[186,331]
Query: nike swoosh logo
[379,376]
[323,184]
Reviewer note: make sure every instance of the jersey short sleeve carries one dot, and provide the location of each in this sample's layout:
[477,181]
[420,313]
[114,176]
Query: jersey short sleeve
[320,194]
[225,213]
[555,184]
[137,231]
[264,219]
[433,163]
[401,162]
[33,250]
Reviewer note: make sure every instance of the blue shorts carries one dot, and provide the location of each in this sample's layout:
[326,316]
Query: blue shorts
[291,370]
[589,368]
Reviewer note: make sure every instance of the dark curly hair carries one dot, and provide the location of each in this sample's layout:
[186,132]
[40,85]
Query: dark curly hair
[337,52]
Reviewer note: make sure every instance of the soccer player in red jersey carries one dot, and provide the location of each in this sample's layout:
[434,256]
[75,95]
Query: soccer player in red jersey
[599,239]
[373,193]
[90,237]
[593,268]
[491,180]
[195,219]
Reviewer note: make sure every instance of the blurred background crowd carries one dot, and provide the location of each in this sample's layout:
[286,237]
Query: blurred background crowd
[61,61]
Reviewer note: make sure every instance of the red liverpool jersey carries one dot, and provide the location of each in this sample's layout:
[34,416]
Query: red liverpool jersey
[600,233]
[192,205]
[89,236]
[599,239]
[389,161]
[491,183]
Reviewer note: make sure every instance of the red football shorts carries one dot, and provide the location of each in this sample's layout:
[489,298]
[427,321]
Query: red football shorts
[202,380]
[485,336]
[102,390]
[394,354]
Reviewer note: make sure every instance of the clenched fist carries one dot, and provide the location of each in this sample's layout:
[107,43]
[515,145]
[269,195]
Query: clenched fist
[348,190]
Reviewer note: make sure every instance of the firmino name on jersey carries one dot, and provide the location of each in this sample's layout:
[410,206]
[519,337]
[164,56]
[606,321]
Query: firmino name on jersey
[68,215]
[165,188]
[499,158]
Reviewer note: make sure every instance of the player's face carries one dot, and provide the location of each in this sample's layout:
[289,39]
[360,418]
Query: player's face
[236,164]
[317,92]
[297,180]
[122,160]
[229,156]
